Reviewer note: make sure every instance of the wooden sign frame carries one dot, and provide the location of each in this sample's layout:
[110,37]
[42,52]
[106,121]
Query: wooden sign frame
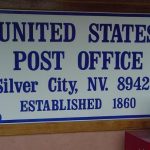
[124,6]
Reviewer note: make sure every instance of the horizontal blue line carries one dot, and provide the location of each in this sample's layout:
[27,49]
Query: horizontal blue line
[6,11]
[74,119]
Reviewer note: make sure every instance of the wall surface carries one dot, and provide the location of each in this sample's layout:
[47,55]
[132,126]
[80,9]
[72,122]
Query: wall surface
[70,141]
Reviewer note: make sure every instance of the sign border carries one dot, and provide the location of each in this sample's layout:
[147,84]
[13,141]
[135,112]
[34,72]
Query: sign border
[73,13]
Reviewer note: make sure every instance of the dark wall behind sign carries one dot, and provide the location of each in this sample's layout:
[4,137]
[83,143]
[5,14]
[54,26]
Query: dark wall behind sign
[139,6]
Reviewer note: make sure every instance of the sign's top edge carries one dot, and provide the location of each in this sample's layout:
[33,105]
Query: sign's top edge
[73,13]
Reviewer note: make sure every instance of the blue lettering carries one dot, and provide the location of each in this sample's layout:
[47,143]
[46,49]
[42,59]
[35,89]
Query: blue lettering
[2,31]
[19,31]
[42,26]
[93,37]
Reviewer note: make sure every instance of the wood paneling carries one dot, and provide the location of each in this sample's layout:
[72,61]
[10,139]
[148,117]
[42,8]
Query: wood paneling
[79,5]
[62,127]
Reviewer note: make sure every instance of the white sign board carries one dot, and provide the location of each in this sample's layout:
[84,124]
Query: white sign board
[73,66]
